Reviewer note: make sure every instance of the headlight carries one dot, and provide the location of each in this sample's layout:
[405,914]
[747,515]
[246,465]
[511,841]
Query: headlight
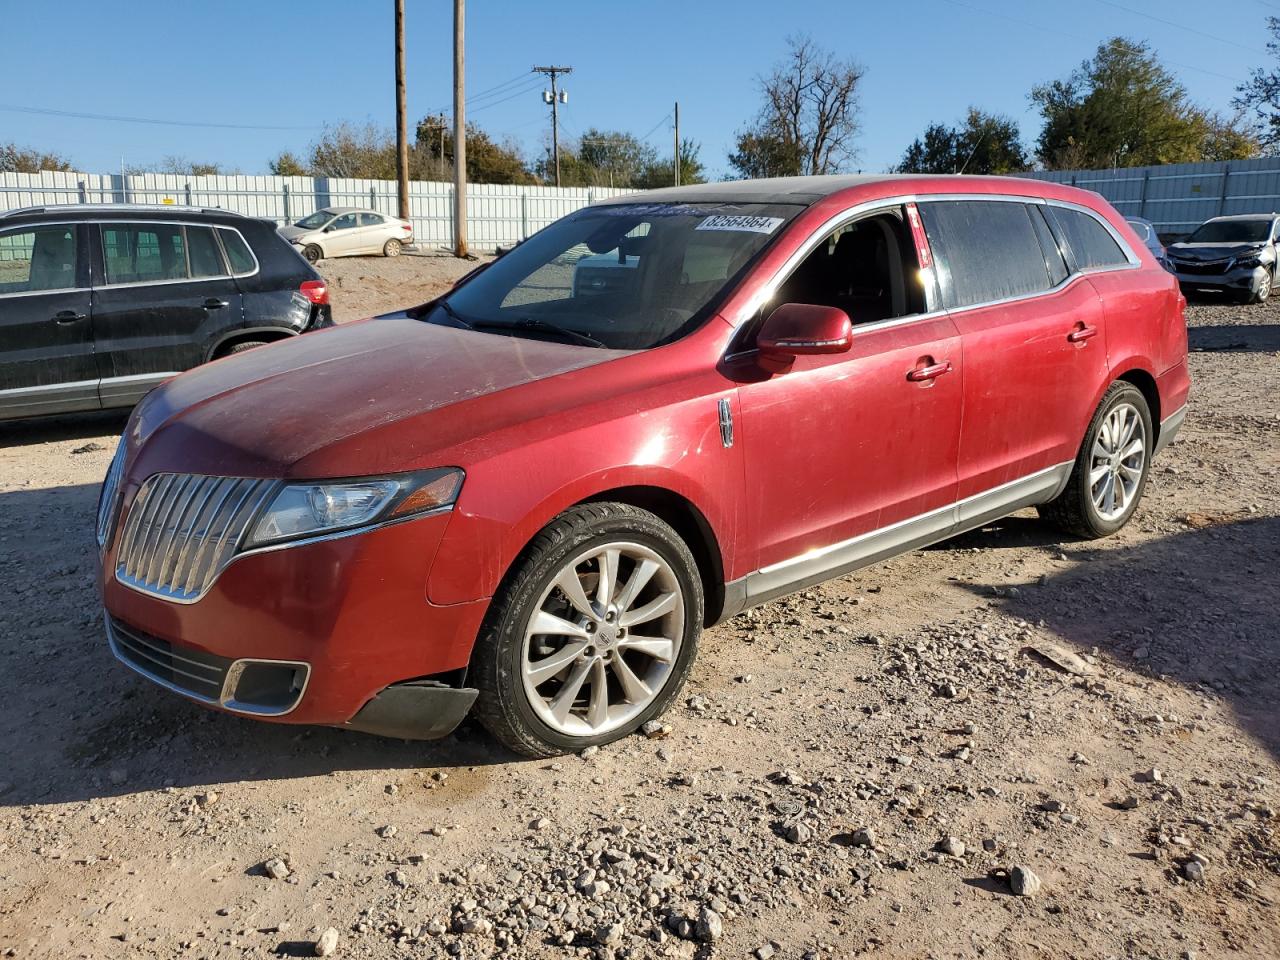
[326,506]
[1250,261]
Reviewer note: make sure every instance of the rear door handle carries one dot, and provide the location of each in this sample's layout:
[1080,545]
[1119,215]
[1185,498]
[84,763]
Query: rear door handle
[1081,334]
[64,317]
[931,372]
[213,303]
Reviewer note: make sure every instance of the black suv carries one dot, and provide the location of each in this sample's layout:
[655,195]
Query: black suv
[98,304]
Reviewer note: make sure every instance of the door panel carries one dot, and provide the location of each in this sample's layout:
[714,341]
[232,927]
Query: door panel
[46,333]
[150,317]
[841,446]
[1028,386]
[342,237]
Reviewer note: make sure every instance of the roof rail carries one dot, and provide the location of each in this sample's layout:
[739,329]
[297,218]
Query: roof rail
[150,207]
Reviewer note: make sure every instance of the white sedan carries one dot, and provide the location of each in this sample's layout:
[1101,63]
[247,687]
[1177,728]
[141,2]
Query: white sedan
[348,232]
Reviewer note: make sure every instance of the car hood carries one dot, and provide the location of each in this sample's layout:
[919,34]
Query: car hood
[1214,251]
[293,232]
[333,402]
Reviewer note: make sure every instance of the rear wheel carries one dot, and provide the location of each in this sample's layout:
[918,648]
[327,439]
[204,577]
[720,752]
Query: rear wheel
[313,253]
[592,635]
[391,248]
[1110,472]
[243,346]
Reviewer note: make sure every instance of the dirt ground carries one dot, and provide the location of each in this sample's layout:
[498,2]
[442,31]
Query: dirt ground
[852,771]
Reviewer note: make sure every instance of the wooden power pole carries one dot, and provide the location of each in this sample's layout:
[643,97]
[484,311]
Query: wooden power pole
[555,100]
[677,154]
[459,134]
[402,127]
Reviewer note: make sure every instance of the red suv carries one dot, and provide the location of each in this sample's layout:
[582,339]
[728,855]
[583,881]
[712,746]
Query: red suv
[527,498]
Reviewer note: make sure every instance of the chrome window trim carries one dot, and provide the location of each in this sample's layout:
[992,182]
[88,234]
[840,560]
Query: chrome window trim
[41,293]
[257,264]
[834,222]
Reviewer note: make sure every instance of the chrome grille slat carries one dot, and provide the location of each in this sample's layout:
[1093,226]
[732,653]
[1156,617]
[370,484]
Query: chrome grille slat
[183,530]
[109,498]
[147,653]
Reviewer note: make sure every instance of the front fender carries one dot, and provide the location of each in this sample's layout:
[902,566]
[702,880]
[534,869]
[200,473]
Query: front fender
[506,500]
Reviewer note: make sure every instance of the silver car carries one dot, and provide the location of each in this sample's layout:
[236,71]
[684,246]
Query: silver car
[348,232]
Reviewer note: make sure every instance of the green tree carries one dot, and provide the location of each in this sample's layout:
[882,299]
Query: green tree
[1260,95]
[287,164]
[488,160]
[984,144]
[660,173]
[809,118]
[1124,109]
[16,159]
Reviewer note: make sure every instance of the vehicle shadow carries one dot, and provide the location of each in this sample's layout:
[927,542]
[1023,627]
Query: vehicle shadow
[1244,337]
[1197,607]
[25,433]
[77,725]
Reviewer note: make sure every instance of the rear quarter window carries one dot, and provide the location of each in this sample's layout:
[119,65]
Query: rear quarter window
[1089,240]
[986,250]
[238,252]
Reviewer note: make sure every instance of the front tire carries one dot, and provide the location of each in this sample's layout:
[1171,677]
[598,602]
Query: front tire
[313,253]
[591,635]
[1263,291]
[1110,472]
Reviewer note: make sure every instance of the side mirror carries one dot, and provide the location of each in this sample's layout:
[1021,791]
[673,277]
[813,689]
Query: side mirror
[799,329]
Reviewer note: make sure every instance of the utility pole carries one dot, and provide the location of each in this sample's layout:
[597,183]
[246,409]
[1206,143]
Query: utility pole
[676,165]
[555,98]
[402,132]
[459,135]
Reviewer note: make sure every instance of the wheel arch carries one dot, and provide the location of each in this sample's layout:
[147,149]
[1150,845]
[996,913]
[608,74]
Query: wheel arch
[1146,383]
[228,340]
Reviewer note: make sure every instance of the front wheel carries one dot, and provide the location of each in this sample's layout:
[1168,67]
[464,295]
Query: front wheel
[1110,472]
[592,634]
[391,248]
[1263,290]
[313,253]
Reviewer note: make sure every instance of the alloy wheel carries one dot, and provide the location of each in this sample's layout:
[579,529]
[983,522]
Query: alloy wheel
[603,639]
[1118,460]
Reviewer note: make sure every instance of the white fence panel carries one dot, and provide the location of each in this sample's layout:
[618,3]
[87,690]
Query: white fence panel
[497,214]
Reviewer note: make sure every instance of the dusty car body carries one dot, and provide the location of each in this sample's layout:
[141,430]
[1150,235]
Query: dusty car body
[1233,256]
[550,494]
[348,232]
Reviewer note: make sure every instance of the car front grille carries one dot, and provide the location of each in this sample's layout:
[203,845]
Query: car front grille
[201,675]
[1207,268]
[183,529]
[109,497]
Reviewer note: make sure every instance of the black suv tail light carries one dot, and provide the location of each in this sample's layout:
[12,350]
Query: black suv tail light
[317,291]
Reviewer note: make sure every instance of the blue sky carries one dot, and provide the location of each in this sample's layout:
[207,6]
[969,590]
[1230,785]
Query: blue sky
[299,65]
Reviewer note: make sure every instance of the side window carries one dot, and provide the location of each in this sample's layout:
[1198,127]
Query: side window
[986,250]
[1092,245]
[371,220]
[144,252]
[1054,260]
[206,258]
[238,252]
[867,268]
[344,222]
[38,258]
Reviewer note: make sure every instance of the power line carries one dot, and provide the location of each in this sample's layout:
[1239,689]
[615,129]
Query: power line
[1057,32]
[518,93]
[77,115]
[654,128]
[1179,26]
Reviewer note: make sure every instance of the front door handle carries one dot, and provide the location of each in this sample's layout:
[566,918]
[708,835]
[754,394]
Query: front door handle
[64,317]
[1082,333]
[931,372]
[213,303]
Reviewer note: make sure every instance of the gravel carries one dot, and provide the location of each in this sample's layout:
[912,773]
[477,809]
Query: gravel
[914,745]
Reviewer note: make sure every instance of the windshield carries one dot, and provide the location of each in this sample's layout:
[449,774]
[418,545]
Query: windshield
[315,221]
[1231,231]
[623,276]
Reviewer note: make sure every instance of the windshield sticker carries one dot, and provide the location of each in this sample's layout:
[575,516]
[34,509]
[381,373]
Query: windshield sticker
[740,223]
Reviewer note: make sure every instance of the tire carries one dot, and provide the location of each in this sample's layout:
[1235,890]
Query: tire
[391,248]
[518,702]
[243,346]
[1083,509]
[313,253]
[1263,292]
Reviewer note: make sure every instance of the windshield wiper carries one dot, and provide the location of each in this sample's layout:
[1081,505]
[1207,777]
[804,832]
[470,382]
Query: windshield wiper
[541,326]
[454,315]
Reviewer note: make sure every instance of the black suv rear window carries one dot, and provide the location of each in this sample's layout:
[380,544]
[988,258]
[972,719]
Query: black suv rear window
[237,251]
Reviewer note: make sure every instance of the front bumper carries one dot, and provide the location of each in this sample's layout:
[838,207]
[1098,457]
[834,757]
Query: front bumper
[336,632]
[1243,280]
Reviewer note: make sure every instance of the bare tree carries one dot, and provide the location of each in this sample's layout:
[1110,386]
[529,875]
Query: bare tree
[809,119]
